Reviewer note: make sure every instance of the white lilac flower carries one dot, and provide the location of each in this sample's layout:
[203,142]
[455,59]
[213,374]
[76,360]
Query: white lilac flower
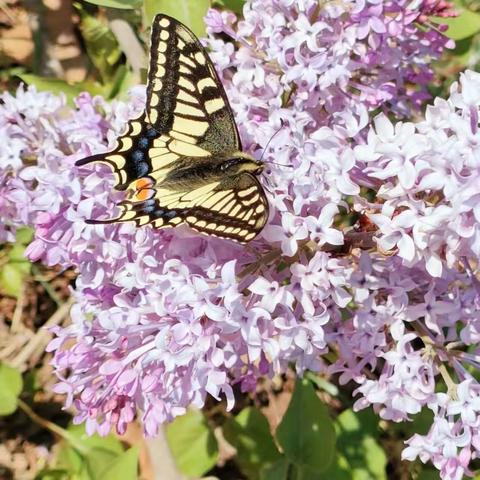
[430,174]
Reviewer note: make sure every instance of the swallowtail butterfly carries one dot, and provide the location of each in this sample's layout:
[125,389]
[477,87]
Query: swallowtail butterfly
[181,160]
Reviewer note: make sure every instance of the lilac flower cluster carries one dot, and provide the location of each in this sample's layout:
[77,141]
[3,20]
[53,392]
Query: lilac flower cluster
[369,253]
[426,178]
[17,130]
[40,138]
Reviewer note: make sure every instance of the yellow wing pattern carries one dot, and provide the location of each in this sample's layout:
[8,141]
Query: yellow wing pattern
[181,160]
[184,95]
[236,211]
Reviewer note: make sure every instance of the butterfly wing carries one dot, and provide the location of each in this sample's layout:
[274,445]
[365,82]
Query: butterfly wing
[185,98]
[187,111]
[129,159]
[187,118]
[234,207]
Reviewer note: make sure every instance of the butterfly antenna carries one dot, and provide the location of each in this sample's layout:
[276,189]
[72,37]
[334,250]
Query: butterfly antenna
[271,138]
[266,147]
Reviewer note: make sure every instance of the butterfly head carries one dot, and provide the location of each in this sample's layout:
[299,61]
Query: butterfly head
[242,162]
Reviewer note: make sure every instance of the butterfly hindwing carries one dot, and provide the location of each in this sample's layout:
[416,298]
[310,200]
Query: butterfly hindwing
[175,159]
[130,159]
[234,207]
[237,208]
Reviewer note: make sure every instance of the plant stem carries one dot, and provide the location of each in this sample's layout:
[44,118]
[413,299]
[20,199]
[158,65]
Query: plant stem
[42,336]
[451,385]
[46,285]
[52,427]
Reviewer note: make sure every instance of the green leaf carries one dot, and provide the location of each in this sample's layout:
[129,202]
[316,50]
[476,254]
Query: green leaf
[431,474]
[461,27]
[323,384]
[58,86]
[31,382]
[88,458]
[24,235]
[369,460]
[350,424]
[306,433]
[421,424]
[13,272]
[11,385]
[11,279]
[122,81]
[189,12]
[192,443]
[101,44]
[357,435]
[71,460]
[125,467]
[463,47]
[53,474]
[277,471]
[250,434]
[123,4]
[284,470]
[109,443]
[17,253]
[233,5]
[339,469]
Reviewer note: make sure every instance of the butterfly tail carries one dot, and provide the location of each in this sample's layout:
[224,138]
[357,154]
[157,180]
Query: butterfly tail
[141,212]
[91,221]
[117,162]
[91,159]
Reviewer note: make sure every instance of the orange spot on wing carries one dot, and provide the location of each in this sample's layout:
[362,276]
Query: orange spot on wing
[142,183]
[144,194]
[143,190]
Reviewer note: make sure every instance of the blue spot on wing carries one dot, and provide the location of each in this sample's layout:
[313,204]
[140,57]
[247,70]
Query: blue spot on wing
[143,142]
[165,214]
[170,214]
[151,133]
[151,207]
[137,155]
[141,169]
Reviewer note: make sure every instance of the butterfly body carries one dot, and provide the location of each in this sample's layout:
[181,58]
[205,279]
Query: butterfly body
[191,171]
[181,160]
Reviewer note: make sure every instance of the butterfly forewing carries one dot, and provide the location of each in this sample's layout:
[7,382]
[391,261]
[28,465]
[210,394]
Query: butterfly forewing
[185,98]
[172,158]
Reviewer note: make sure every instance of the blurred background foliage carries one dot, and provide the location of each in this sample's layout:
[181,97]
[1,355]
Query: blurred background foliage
[101,46]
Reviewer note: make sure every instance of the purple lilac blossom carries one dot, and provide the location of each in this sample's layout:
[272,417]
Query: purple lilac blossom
[165,317]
